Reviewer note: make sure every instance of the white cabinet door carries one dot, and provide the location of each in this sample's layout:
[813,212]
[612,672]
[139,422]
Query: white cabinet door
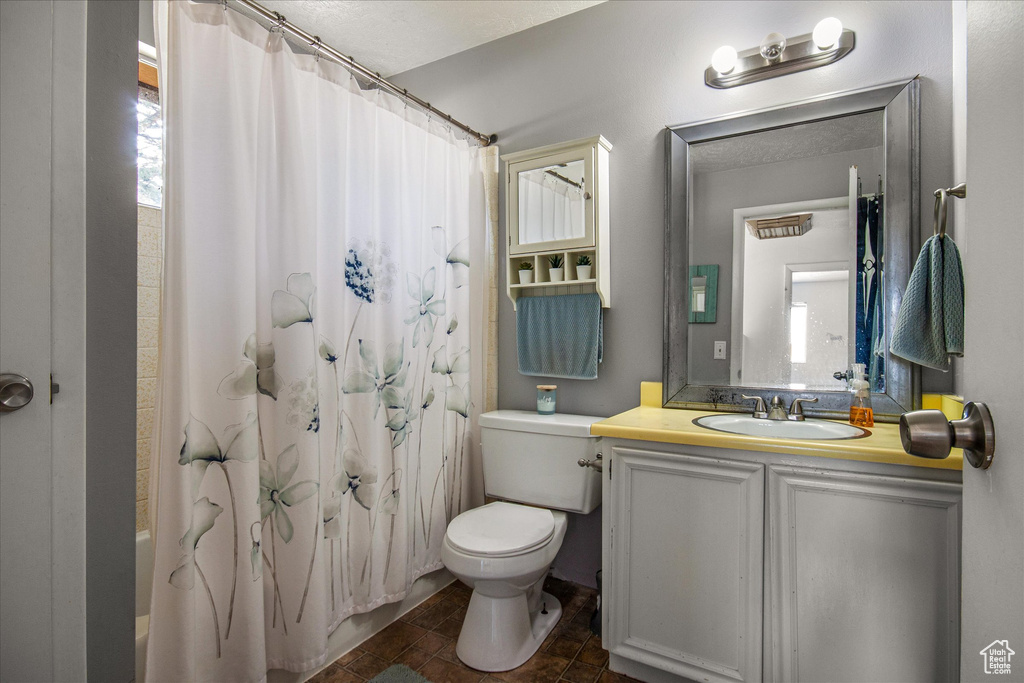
[683,590]
[864,577]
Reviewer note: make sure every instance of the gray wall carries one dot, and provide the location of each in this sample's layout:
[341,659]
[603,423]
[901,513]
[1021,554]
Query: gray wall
[110,241]
[628,69]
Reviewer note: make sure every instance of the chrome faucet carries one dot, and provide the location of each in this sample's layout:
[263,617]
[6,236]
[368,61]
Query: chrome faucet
[778,408]
[796,411]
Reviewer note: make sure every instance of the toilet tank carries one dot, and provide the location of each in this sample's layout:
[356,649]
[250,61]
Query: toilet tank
[531,458]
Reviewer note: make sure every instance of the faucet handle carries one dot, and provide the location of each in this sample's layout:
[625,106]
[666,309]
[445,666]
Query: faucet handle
[760,409]
[796,411]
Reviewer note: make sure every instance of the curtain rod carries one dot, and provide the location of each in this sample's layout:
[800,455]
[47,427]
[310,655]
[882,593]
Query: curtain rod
[319,47]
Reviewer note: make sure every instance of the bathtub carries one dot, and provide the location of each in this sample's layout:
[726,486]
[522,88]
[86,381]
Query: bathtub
[143,590]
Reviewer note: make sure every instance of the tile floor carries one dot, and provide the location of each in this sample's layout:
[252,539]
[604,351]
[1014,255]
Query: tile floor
[424,640]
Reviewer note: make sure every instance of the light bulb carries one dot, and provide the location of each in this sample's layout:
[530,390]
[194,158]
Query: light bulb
[827,32]
[724,59]
[772,47]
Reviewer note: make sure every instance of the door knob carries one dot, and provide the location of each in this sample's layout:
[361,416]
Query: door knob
[15,392]
[927,434]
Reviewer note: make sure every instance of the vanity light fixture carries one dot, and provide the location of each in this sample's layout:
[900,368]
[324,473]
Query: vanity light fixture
[777,56]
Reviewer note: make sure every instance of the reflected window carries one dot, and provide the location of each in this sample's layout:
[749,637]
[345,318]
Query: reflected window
[798,332]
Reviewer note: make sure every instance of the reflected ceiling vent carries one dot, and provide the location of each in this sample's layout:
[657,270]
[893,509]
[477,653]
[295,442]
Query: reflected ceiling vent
[783,226]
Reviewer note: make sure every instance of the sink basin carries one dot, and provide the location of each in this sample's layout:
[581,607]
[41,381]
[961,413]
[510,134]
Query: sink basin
[818,430]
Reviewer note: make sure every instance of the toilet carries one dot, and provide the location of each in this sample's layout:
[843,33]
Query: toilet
[503,550]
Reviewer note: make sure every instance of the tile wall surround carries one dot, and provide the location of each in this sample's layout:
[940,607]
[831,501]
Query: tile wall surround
[150,262]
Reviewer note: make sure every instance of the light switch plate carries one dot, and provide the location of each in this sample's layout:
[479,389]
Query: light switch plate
[719,350]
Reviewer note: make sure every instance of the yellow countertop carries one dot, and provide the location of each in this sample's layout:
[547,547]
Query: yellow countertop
[670,425]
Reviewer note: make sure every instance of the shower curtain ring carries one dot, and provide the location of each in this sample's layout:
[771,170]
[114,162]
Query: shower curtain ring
[316,44]
[281,21]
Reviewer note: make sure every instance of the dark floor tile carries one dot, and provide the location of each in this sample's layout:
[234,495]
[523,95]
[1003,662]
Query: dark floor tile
[434,615]
[447,653]
[443,671]
[583,617]
[413,658]
[592,653]
[393,640]
[449,627]
[349,656]
[612,677]
[432,642]
[563,647]
[433,599]
[578,672]
[540,668]
[411,614]
[368,665]
[573,631]
[458,598]
[339,675]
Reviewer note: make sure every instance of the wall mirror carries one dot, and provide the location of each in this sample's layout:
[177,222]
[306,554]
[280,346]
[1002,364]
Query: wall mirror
[810,213]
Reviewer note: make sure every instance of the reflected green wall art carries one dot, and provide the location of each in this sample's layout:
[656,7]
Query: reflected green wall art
[703,293]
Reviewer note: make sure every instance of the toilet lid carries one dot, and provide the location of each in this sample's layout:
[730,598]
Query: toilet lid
[501,529]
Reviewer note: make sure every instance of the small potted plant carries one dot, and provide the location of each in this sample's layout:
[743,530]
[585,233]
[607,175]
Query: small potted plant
[525,272]
[583,267]
[556,271]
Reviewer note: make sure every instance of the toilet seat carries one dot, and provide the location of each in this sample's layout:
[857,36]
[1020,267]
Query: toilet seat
[501,530]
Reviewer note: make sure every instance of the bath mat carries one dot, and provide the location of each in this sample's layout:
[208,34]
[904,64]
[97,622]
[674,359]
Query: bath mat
[398,673]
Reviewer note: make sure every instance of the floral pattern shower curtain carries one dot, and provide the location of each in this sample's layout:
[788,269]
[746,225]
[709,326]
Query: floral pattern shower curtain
[317,372]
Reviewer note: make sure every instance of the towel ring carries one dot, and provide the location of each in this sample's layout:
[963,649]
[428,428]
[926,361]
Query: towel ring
[959,191]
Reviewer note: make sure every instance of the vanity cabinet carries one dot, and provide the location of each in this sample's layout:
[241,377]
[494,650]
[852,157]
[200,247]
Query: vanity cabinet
[726,565]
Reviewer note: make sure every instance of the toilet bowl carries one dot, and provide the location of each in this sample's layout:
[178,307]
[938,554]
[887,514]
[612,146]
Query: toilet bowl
[503,552]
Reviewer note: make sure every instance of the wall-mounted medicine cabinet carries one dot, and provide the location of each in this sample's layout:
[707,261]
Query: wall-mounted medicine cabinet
[556,216]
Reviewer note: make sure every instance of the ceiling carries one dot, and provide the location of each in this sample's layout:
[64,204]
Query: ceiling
[819,138]
[392,36]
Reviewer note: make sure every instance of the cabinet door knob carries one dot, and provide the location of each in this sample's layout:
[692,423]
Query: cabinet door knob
[15,392]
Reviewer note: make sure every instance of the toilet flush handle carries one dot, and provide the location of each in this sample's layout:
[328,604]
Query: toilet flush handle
[593,464]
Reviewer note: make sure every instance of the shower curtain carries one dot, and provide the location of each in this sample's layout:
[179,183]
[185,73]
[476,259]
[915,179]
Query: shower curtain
[322,315]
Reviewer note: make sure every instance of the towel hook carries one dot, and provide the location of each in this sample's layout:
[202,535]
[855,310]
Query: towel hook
[958,191]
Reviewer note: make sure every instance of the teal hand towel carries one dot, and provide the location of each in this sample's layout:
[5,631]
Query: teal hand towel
[559,336]
[930,325]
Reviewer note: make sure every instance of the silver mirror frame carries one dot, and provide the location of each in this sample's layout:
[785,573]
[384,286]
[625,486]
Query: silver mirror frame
[900,103]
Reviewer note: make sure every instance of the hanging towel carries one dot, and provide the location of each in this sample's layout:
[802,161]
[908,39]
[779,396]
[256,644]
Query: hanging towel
[560,336]
[930,324]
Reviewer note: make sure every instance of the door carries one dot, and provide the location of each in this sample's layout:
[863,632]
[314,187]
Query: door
[686,540]
[26,628]
[992,242]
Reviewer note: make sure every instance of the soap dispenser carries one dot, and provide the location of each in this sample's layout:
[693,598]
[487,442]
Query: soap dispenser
[861,413]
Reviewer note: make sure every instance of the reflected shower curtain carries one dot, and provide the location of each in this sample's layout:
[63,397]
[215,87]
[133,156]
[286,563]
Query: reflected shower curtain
[870,349]
[549,208]
[316,394]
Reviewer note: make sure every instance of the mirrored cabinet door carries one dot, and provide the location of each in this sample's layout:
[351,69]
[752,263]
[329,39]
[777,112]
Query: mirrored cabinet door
[552,196]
